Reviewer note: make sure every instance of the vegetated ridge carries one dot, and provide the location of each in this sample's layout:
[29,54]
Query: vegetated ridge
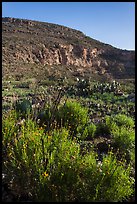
[47,49]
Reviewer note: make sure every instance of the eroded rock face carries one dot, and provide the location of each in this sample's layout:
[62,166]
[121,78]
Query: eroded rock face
[49,44]
[64,54]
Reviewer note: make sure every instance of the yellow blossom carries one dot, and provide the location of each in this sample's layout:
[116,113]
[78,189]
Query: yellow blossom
[10,154]
[107,172]
[45,174]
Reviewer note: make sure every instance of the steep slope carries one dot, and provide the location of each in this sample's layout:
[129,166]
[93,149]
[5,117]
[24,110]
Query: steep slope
[31,46]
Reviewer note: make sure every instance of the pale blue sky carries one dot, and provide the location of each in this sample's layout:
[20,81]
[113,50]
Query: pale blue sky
[109,22]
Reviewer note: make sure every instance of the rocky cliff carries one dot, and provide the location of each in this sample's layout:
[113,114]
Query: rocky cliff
[30,42]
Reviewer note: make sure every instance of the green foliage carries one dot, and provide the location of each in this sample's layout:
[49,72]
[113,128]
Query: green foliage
[50,167]
[9,127]
[104,181]
[113,124]
[123,120]
[23,107]
[91,130]
[86,132]
[115,183]
[124,138]
[121,129]
[72,115]
[61,163]
[102,129]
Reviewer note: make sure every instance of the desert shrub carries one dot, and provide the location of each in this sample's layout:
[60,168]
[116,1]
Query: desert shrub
[123,120]
[72,115]
[120,129]
[45,162]
[124,138]
[86,132]
[104,181]
[44,116]
[115,177]
[50,167]
[63,165]
[101,129]
[113,123]
[9,126]
[23,107]
[23,158]
[105,127]
[91,130]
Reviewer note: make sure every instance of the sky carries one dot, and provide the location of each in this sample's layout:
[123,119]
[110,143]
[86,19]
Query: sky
[109,22]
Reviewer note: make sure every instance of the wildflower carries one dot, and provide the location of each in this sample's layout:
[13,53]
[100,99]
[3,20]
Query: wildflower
[100,170]
[73,157]
[10,154]
[107,172]
[49,136]
[106,161]
[36,133]
[24,146]
[45,174]
[3,175]
[99,164]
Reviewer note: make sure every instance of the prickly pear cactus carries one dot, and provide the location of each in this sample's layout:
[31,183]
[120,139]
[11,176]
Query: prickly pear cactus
[23,107]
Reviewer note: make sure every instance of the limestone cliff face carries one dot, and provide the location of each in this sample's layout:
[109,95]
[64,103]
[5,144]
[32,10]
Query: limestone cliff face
[64,54]
[49,44]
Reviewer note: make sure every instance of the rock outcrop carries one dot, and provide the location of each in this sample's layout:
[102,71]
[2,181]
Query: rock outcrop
[33,42]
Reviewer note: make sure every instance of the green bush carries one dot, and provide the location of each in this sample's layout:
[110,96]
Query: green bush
[124,138]
[91,130]
[86,132]
[45,161]
[103,128]
[62,167]
[23,157]
[50,167]
[123,120]
[9,126]
[113,123]
[106,181]
[72,115]
[115,183]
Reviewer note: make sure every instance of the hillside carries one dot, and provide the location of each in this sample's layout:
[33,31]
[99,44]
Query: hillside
[32,48]
[68,128]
